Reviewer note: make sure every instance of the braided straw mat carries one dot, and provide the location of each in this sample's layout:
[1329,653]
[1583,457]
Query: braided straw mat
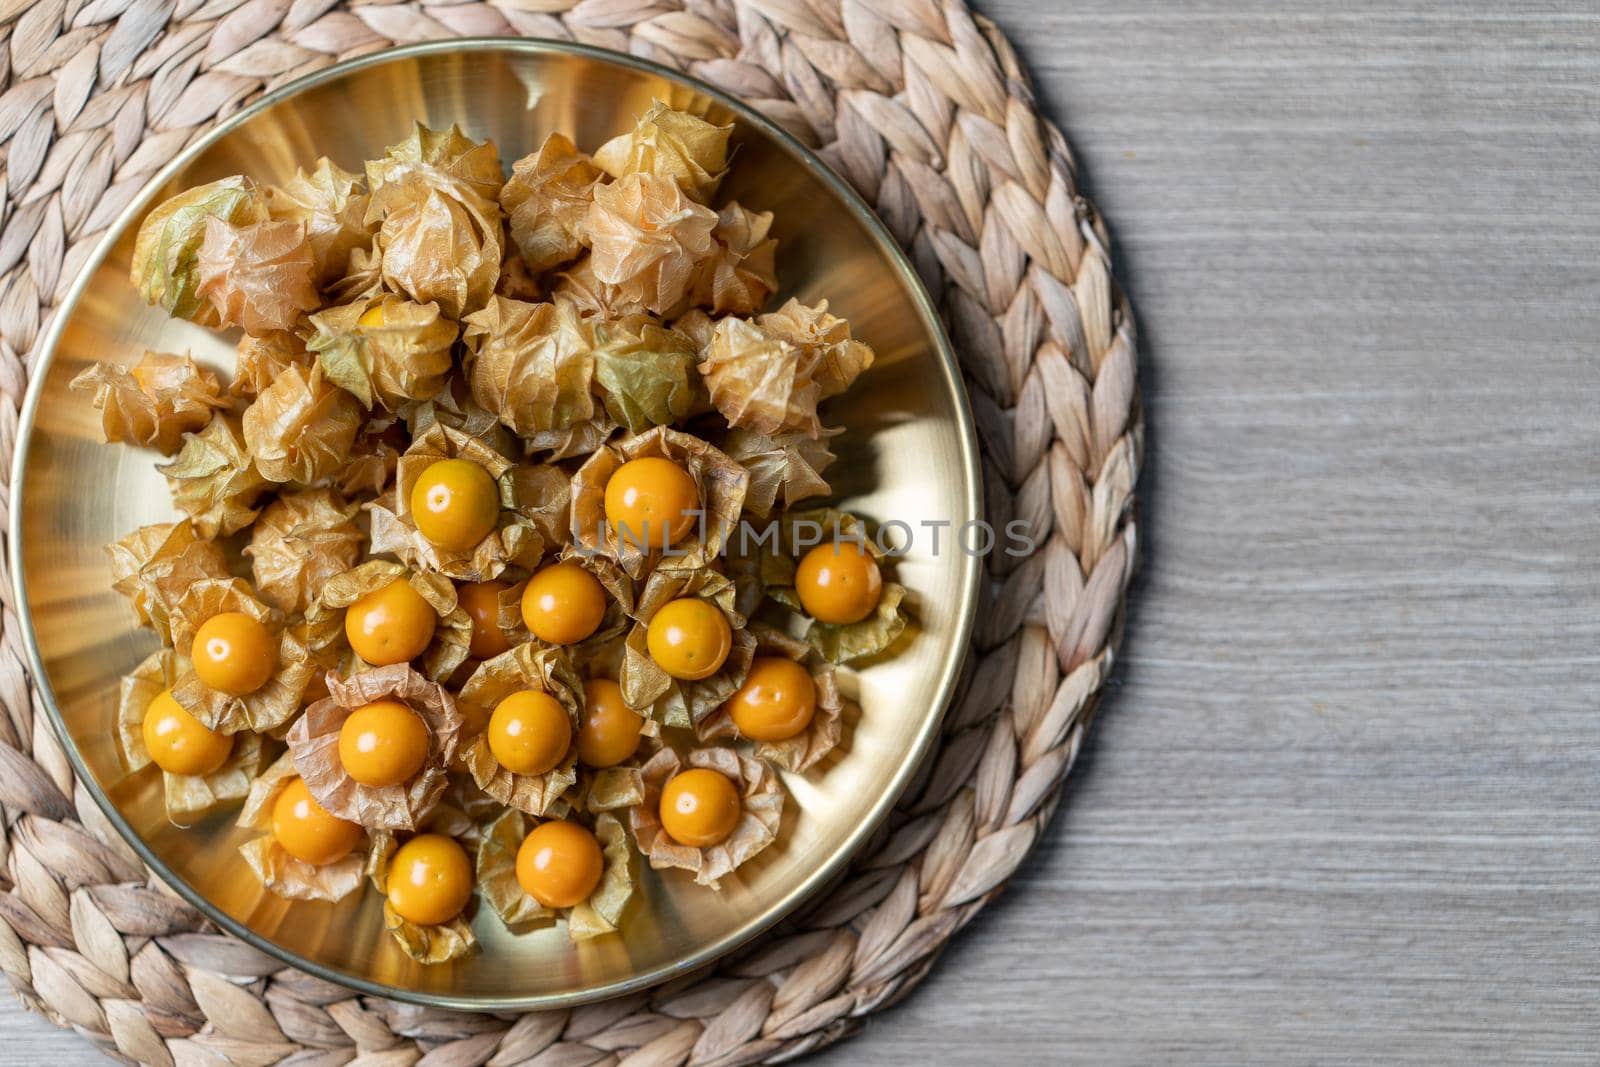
[925,109]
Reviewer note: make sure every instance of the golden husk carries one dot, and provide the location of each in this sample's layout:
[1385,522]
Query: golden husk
[545,201]
[532,364]
[674,144]
[300,542]
[452,635]
[314,743]
[266,708]
[527,666]
[331,204]
[302,427]
[721,483]
[809,746]
[674,701]
[155,565]
[645,372]
[257,275]
[281,873]
[647,240]
[214,478]
[760,792]
[740,276]
[593,297]
[598,915]
[261,359]
[784,469]
[404,355]
[166,252]
[515,540]
[155,403]
[187,797]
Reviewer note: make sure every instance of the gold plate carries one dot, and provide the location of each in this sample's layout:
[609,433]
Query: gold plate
[909,454]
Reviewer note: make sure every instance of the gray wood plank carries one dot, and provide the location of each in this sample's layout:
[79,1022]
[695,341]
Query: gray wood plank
[1341,804]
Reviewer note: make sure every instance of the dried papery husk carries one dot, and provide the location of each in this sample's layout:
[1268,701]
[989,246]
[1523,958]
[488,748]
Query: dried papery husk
[302,427]
[620,787]
[214,479]
[546,199]
[438,943]
[455,408]
[331,203]
[452,635]
[299,543]
[647,239]
[257,275]
[740,275]
[529,666]
[670,143]
[153,404]
[268,707]
[166,252]
[579,439]
[187,796]
[281,873]
[697,326]
[593,297]
[675,701]
[540,493]
[362,278]
[261,359]
[517,282]
[515,540]
[805,749]
[721,485]
[761,795]
[532,364]
[600,914]
[838,643]
[645,372]
[435,198]
[155,565]
[784,469]
[400,353]
[770,373]
[314,744]
[373,460]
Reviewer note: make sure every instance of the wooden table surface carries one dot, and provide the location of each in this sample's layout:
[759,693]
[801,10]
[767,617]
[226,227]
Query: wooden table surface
[1342,803]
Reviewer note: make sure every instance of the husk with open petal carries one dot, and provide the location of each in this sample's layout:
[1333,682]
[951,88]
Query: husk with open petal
[331,203]
[153,404]
[545,201]
[268,707]
[809,746]
[314,743]
[593,297]
[514,540]
[281,873]
[436,199]
[784,469]
[528,666]
[619,603]
[838,643]
[452,635]
[300,542]
[187,796]
[532,364]
[599,914]
[740,275]
[438,943]
[647,240]
[403,356]
[645,372]
[155,565]
[760,793]
[262,358]
[166,252]
[674,144]
[675,701]
[770,373]
[257,275]
[302,427]
[721,485]
[214,478]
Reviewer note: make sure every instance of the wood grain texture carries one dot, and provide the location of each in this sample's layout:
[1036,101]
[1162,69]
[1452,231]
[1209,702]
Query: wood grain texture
[1341,805]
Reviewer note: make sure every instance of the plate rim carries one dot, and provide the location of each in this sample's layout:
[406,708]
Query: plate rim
[946,682]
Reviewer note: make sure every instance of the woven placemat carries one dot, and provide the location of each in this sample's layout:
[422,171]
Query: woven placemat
[925,109]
